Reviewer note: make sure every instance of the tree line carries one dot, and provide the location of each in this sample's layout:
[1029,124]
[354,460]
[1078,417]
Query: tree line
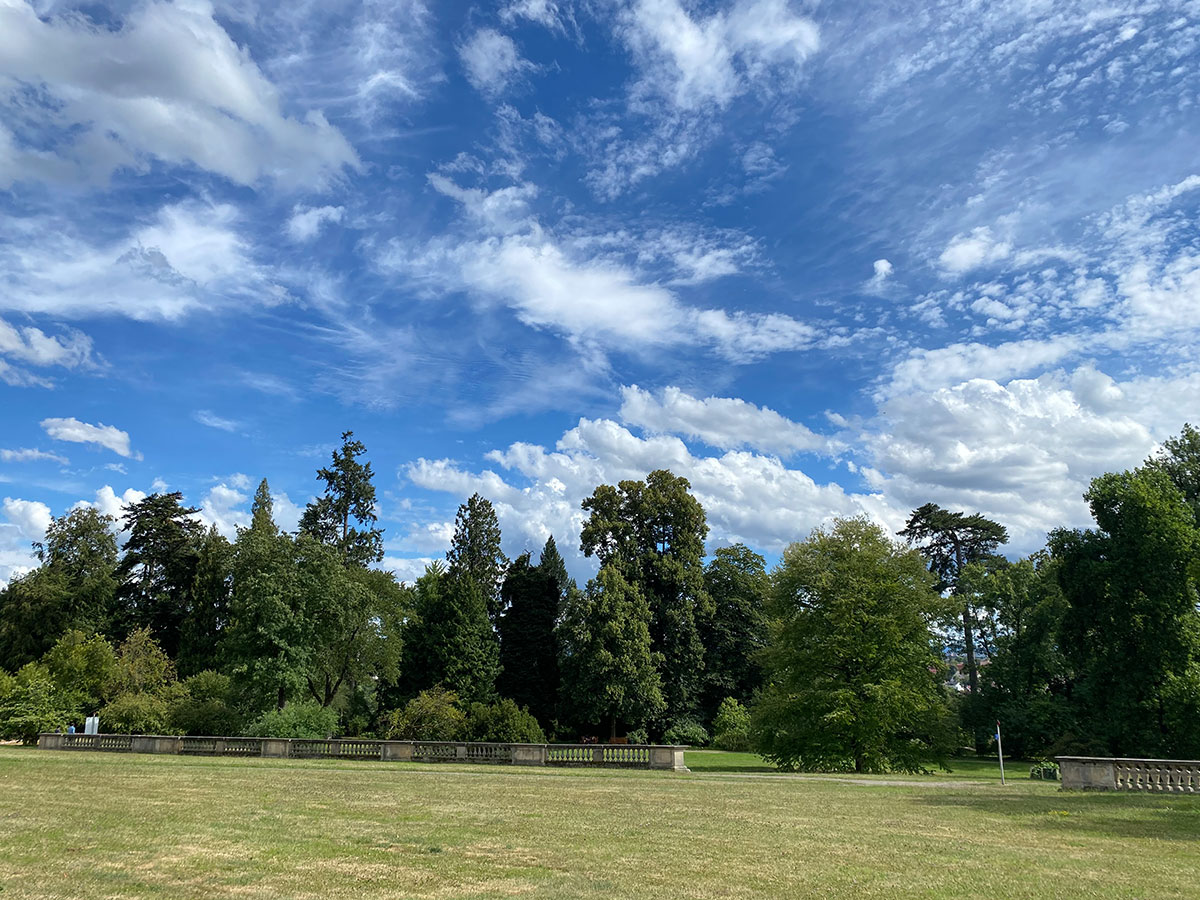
[847,655]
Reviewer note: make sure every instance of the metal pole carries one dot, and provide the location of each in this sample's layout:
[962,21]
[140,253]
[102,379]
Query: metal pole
[1000,750]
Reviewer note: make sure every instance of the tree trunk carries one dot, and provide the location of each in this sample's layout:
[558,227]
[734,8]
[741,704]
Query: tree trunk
[281,699]
[612,728]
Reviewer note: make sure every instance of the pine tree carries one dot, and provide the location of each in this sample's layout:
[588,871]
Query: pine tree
[266,645]
[475,552]
[532,598]
[158,568]
[349,498]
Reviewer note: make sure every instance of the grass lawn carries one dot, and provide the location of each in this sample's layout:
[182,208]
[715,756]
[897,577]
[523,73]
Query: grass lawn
[113,825]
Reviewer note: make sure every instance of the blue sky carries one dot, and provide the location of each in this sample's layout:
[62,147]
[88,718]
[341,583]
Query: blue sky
[822,259]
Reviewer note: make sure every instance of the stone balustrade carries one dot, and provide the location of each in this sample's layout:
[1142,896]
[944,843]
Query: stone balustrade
[1100,773]
[667,757]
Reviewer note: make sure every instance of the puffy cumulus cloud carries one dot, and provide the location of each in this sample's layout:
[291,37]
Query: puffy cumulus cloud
[694,61]
[109,503]
[168,83]
[1022,451]
[970,251]
[189,256]
[492,61]
[26,521]
[748,496]
[727,423]
[407,569]
[30,517]
[27,454]
[306,221]
[946,366]
[77,432]
[224,507]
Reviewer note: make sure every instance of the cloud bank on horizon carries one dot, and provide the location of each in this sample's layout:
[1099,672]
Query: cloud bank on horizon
[821,260]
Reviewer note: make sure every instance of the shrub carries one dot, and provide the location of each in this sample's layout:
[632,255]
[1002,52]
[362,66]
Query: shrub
[504,722]
[135,713]
[686,731]
[35,704]
[432,715]
[296,720]
[639,736]
[203,707]
[731,726]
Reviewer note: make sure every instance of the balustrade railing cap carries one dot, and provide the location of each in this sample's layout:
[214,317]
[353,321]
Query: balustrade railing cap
[1135,760]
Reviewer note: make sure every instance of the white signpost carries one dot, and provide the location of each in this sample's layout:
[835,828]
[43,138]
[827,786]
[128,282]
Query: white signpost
[92,725]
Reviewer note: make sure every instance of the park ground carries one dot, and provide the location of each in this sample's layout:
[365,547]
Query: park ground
[109,825]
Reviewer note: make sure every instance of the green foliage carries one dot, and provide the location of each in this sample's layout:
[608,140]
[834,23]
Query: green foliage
[686,731]
[609,674]
[1131,629]
[504,722]
[475,553]
[1024,685]
[734,632]
[653,533]
[432,715]
[265,646]
[532,596]
[352,620]
[851,661]
[204,706]
[296,720]
[448,638]
[72,588]
[84,666]
[137,713]
[208,605]
[638,736]
[143,667]
[349,496]
[949,541]
[158,568]
[33,704]
[731,726]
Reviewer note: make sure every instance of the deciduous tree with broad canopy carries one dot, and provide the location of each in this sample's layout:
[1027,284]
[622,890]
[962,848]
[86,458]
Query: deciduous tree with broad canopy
[852,664]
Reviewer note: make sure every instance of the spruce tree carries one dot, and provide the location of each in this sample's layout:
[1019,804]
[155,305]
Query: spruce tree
[532,597]
[344,517]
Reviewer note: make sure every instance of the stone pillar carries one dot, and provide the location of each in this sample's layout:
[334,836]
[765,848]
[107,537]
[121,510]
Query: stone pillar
[50,741]
[1085,773]
[529,754]
[276,747]
[598,755]
[669,756]
[460,752]
[398,751]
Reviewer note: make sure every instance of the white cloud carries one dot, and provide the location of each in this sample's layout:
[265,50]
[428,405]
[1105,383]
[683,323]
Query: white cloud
[190,256]
[970,251]
[1021,451]
[30,455]
[306,221]
[223,506]
[698,61]
[727,423]
[31,517]
[82,433]
[169,84]
[748,496]
[492,61]
[593,300]
[212,420]
[109,503]
[407,569]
